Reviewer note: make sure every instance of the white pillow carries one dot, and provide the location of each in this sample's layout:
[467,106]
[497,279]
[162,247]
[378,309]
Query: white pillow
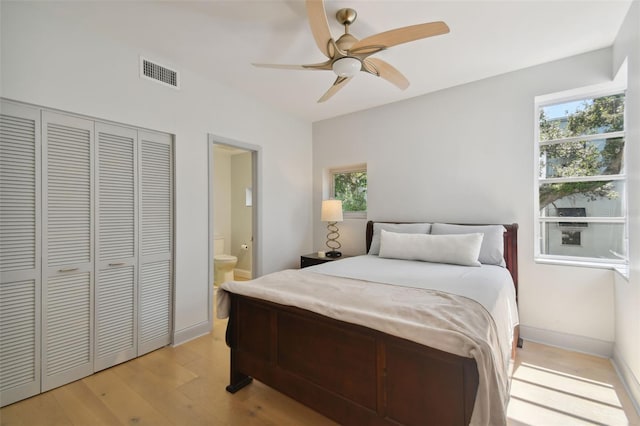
[404,228]
[492,250]
[460,249]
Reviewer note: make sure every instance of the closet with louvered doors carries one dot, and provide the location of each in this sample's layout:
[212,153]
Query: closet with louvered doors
[67,249]
[116,298]
[20,242]
[86,247]
[156,241]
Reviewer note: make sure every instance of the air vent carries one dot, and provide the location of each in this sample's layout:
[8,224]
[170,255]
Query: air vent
[159,73]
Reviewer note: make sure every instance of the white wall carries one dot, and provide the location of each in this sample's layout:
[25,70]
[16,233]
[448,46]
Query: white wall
[465,154]
[627,291]
[51,56]
[241,230]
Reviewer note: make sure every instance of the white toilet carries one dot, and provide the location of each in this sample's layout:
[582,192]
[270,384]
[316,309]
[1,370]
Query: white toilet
[223,264]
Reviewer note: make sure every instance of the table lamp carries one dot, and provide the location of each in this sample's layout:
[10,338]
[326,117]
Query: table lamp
[332,213]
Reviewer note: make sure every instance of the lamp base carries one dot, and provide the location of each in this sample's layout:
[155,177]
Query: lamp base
[333,253]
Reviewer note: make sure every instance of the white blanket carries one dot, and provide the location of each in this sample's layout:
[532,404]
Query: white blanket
[444,321]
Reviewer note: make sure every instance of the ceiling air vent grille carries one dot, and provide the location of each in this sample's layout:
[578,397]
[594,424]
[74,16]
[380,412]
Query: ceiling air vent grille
[158,73]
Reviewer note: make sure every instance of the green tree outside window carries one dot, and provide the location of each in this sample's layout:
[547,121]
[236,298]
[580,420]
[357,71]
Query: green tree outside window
[351,188]
[582,158]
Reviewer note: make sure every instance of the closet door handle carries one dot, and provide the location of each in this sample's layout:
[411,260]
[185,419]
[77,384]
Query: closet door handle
[68,269]
[117,264]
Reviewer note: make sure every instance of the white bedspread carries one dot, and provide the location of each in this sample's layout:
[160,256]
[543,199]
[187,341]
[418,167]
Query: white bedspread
[425,310]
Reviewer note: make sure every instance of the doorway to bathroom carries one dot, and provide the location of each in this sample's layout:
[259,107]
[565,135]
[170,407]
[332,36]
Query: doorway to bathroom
[233,210]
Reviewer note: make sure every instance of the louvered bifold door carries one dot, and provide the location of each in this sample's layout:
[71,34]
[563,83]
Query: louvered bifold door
[67,302]
[156,241]
[19,252]
[116,246]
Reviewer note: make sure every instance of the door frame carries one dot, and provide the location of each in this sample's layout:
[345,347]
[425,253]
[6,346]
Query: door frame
[256,214]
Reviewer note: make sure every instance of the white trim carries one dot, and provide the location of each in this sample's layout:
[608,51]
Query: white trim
[629,381]
[186,334]
[571,342]
[355,215]
[585,219]
[585,262]
[211,236]
[583,138]
[537,228]
[347,169]
[622,270]
[596,178]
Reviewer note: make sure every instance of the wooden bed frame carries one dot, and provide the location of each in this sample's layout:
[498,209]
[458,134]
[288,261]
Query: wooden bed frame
[352,374]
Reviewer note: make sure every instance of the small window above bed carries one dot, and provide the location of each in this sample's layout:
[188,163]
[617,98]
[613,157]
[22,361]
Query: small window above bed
[349,184]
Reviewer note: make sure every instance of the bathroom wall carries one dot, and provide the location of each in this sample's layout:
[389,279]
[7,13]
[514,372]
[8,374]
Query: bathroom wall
[241,214]
[232,217]
[222,194]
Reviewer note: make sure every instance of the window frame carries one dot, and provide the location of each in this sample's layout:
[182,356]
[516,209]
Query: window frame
[545,101]
[361,214]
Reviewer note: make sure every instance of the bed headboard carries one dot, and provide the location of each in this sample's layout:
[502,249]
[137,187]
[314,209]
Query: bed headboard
[510,247]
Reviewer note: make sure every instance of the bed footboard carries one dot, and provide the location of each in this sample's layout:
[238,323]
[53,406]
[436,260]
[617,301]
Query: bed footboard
[349,373]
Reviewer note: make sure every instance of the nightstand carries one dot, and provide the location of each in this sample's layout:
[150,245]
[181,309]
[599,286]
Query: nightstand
[313,259]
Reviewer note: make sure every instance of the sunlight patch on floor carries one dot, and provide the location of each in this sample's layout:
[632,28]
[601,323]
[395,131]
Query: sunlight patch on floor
[554,397]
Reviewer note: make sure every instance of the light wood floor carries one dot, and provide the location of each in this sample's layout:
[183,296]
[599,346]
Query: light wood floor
[185,386]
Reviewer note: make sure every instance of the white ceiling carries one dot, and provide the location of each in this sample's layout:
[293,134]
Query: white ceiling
[220,39]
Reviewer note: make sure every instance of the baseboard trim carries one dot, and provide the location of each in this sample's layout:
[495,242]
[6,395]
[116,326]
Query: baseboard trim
[190,333]
[571,342]
[627,377]
[242,273]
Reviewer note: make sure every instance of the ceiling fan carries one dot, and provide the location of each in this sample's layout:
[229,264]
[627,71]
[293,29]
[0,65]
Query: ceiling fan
[348,55]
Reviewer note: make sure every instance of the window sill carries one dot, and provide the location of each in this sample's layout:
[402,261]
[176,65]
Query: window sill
[354,215]
[620,268]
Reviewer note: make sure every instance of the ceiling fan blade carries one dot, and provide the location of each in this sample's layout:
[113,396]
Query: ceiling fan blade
[319,25]
[321,66]
[337,85]
[399,35]
[385,70]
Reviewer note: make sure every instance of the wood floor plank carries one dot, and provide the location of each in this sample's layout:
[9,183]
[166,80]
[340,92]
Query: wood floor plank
[82,406]
[180,410]
[126,404]
[42,410]
[156,375]
[168,364]
[182,354]
[209,367]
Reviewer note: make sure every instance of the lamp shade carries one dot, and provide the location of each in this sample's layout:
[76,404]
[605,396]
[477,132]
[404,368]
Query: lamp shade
[347,66]
[331,211]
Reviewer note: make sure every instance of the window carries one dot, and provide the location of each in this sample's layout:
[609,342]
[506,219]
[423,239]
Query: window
[581,181]
[571,238]
[350,186]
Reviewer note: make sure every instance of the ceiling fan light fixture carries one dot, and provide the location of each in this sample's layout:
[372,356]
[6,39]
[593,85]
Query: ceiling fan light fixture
[347,66]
